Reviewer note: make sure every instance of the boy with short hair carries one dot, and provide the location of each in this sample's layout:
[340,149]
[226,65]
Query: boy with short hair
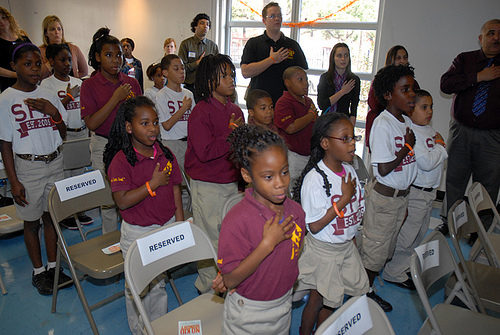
[294,117]
[260,109]
[394,168]
[430,154]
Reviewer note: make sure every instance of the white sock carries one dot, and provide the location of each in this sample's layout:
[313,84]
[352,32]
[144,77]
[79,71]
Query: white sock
[51,265]
[370,290]
[39,270]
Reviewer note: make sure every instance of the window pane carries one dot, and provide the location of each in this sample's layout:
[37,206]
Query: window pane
[318,43]
[359,11]
[252,12]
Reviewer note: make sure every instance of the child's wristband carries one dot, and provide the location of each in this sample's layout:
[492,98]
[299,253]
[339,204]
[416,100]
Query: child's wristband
[151,192]
[340,214]
[439,141]
[69,95]
[274,61]
[315,115]
[411,153]
[56,122]
[232,124]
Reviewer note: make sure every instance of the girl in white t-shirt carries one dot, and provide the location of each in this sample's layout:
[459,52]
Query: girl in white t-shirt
[330,194]
[154,74]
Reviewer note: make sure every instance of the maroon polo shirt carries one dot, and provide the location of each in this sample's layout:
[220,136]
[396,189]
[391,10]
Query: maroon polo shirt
[124,177]
[96,92]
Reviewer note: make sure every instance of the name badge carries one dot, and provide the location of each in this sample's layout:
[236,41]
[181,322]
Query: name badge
[355,320]
[165,242]
[191,54]
[73,187]
[428,254]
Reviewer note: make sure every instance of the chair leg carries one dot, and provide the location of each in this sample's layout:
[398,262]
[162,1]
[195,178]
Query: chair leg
[56,280]
[83,300]
[174,288]
[2,285]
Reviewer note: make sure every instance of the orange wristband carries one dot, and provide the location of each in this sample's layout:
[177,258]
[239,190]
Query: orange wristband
[439,141]
[274,61]
[69,95]
[234,124]
[151,192]
[411,153]
[340,214]
[315,115]
[57,122]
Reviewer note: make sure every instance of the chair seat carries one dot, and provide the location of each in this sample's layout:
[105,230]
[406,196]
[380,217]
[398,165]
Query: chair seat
[196,309]
[12,225]
[86,256]
[486,279]
[454,320]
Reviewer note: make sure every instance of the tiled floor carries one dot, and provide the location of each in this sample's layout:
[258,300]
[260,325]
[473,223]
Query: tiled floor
[24,311]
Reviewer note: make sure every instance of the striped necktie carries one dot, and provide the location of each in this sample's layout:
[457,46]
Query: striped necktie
[479,105]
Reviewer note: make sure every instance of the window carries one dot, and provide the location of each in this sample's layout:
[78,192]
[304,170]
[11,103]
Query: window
[317,25]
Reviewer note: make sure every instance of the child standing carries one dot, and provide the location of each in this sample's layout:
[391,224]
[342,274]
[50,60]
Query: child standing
[330,265]
[101,95]
[132,67]
[174,107]
[430,154]
[145,180]
[295,114]
[260,238]
[154,74]
[260,109]
[31,135]
[67,89]
[394,167]
[213,176]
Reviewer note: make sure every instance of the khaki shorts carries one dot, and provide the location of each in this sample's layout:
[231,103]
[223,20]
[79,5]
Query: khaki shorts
[37,179]
[333,269]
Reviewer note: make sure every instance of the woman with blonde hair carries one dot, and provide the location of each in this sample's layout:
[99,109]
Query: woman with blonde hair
[53,33]
[10,33]
[169,46]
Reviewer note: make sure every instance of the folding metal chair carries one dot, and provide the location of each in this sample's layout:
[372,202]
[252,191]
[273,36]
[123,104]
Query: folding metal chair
[86,256]
[207,307]
[482,279]
[444,318]
[381,324]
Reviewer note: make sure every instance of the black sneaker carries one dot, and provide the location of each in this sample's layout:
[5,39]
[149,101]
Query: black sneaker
[43,283]
[85,219]
[69,223]
[386,307]
[63,278]
[443,229]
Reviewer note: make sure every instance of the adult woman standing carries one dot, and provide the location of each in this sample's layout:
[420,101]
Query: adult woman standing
[169,46]
[9,35]
[53,33]
[338,88]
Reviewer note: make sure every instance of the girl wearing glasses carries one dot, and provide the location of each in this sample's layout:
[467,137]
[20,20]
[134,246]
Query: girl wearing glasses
[330,194]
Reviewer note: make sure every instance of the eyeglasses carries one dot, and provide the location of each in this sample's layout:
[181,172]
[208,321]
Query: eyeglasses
[347,139]
[274,16]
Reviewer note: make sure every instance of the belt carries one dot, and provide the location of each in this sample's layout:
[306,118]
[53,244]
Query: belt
[425,189]
[103,136]
[389,191]
[41,158]
[76,130]
[184,139]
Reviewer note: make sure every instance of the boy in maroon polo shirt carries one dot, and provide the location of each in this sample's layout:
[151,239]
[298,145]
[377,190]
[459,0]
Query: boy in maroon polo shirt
[294,115]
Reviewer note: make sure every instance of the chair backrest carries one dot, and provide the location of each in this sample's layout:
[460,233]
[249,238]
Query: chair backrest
[76,153]
[60,210]
[360,168]
[381,324]
[480,200]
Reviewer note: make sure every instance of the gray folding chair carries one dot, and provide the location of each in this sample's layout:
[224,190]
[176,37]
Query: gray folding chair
[480,200]
[86,256]
[381,324]
[207,307]
[444,318]
[361,171]
[482,279]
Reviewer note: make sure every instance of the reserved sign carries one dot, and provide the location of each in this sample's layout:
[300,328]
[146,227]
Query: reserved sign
[428,254]
[73,187]
[355,320]
[165,242]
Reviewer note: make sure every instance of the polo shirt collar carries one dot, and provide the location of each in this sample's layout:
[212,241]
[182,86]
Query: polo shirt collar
[217,104]
[103,81]
[141,157]
[263,210]
[282,37]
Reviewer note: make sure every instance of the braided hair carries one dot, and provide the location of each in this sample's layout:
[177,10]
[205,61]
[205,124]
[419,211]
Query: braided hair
[208,74]
[119,139]
[248,141]
[100,38]
[387,77]
[322,127]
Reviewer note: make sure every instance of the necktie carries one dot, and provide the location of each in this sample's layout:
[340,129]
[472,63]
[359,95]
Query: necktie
[479,105]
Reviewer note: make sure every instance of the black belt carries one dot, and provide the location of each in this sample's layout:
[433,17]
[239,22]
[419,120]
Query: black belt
[389,191]
[76,130]
[184,139]
[425,189]
[41,158]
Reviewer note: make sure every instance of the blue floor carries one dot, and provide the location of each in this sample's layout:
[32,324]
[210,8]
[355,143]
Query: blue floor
[24,311]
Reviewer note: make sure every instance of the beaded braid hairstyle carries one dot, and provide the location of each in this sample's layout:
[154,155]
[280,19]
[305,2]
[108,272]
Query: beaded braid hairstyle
[321,129]
[119,139]
[208,74]
[387,77]
[100,38]
[248,141]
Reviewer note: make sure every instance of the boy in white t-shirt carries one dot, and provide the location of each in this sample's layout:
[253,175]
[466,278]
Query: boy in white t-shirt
[430,154]
[394,168]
